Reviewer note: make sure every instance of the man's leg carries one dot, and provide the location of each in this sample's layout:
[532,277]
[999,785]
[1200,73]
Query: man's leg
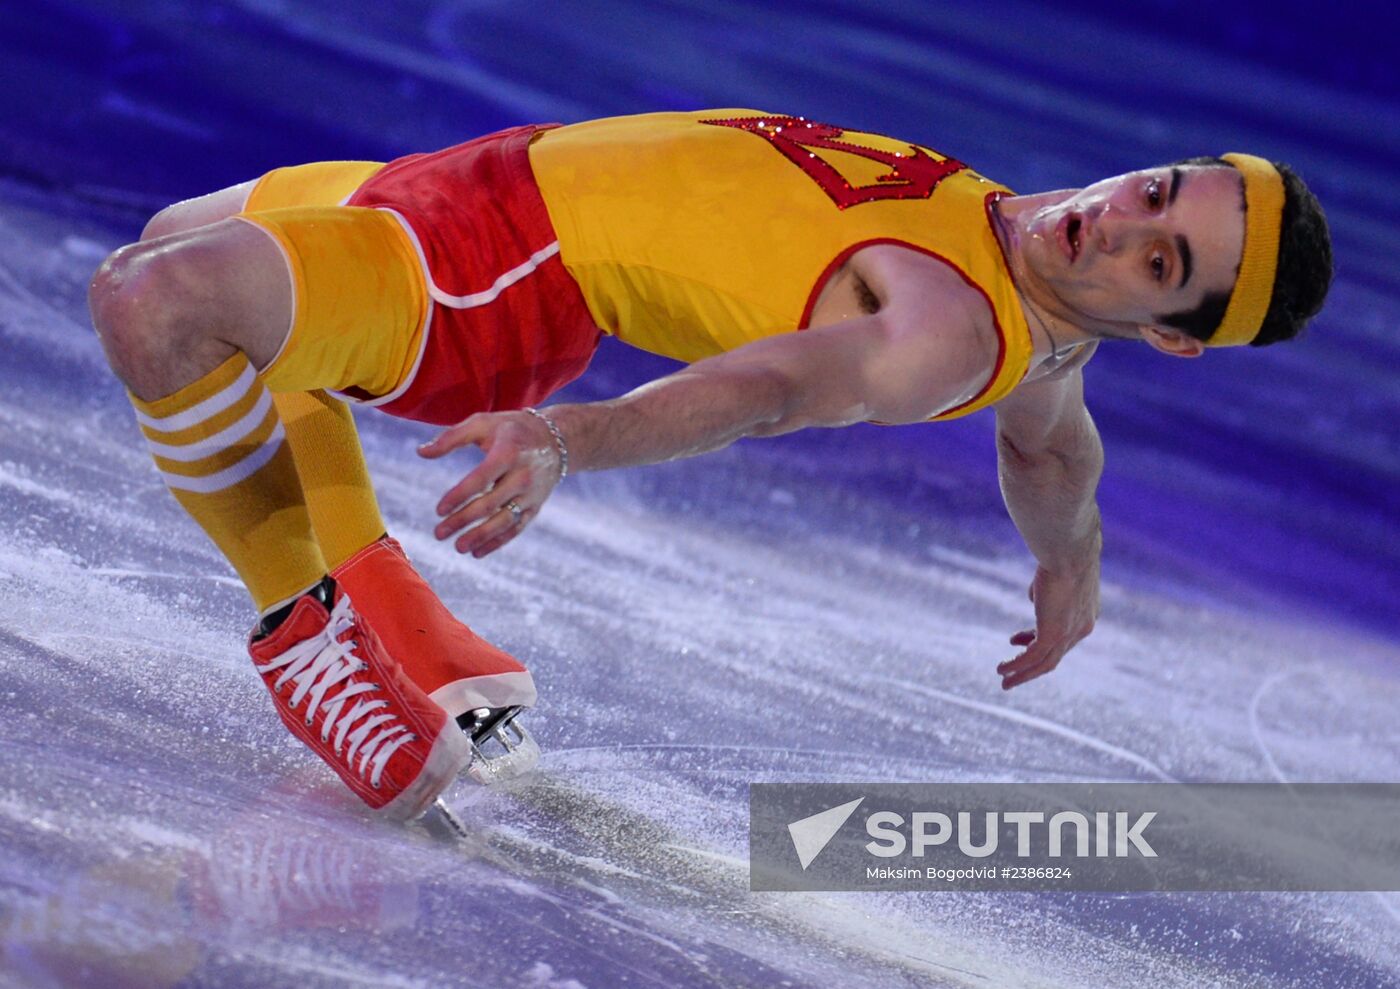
[185,344]
[320,430]
[185,319]
[360,305]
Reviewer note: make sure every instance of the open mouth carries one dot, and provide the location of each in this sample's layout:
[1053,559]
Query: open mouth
[1067,234]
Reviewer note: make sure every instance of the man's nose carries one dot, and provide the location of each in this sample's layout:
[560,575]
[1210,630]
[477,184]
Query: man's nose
[1108,229]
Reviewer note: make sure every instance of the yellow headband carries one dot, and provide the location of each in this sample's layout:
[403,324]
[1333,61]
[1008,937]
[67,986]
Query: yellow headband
[1249,302]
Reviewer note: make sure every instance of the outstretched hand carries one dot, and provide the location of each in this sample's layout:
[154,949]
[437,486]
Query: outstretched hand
[1066,607]
[501,495]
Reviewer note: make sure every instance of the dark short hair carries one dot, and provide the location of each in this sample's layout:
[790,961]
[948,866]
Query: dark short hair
[1303,275]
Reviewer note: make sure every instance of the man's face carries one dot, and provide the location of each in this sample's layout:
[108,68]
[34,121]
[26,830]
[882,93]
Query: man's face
[1141,244]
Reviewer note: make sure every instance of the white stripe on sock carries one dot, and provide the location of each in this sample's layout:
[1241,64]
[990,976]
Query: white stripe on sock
[206,409]
[221,440]
[229,476]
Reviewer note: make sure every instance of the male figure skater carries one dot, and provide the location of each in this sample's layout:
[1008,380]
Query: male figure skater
[810,275]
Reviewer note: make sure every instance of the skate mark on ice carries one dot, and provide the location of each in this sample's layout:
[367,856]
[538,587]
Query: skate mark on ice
[1270,682]
[1040,724]
[779,762]
[558,758]
[740,865]
[652,859]
[141,574]
[28,486]
[22,294]
[531,858]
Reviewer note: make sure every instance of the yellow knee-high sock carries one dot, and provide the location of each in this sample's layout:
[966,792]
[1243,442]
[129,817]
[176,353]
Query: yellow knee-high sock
[221,450]
[339,495]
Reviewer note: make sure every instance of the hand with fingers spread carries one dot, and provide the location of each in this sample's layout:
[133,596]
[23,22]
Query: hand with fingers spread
[525,459]
[1066,607]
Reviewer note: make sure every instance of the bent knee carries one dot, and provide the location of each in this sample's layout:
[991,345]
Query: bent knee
[151,292]
[225,281]
[111,286]
[131,299]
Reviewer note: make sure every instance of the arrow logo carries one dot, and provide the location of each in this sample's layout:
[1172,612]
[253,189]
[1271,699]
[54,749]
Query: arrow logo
[913,174]
[811,834]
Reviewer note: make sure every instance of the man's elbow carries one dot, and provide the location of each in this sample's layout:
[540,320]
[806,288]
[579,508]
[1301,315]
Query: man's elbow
[1072,447]
[1018,451]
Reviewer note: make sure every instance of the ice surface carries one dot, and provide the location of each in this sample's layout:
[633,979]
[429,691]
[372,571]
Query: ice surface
[824,606]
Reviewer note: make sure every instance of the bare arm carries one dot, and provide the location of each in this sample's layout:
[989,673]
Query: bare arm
[766,388]
[891,366]
[870,367]
[1049,462]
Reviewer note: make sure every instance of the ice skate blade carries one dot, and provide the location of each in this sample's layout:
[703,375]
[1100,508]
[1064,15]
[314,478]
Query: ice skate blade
[442,822]
[506,753]
[501,749]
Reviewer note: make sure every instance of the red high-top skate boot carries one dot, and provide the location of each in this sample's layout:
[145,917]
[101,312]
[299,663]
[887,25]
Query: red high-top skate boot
[481,686]
[339,690]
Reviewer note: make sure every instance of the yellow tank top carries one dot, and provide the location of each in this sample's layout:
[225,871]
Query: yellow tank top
[694,233]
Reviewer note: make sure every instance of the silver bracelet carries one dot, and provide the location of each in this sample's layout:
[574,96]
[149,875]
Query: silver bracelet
[558,440]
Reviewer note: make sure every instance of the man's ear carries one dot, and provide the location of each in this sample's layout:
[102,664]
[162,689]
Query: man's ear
[1172,342]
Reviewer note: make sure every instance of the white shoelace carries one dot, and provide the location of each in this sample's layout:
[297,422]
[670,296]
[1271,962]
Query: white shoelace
[322,662]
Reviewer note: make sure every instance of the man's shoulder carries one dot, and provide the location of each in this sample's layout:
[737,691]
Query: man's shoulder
[923,294]
[939,340]
[917,277]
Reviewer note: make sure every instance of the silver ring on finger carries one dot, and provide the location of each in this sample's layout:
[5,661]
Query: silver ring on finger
[515,511]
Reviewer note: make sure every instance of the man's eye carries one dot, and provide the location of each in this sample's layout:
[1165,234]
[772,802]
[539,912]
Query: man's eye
[1158,265]
[1154,193]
